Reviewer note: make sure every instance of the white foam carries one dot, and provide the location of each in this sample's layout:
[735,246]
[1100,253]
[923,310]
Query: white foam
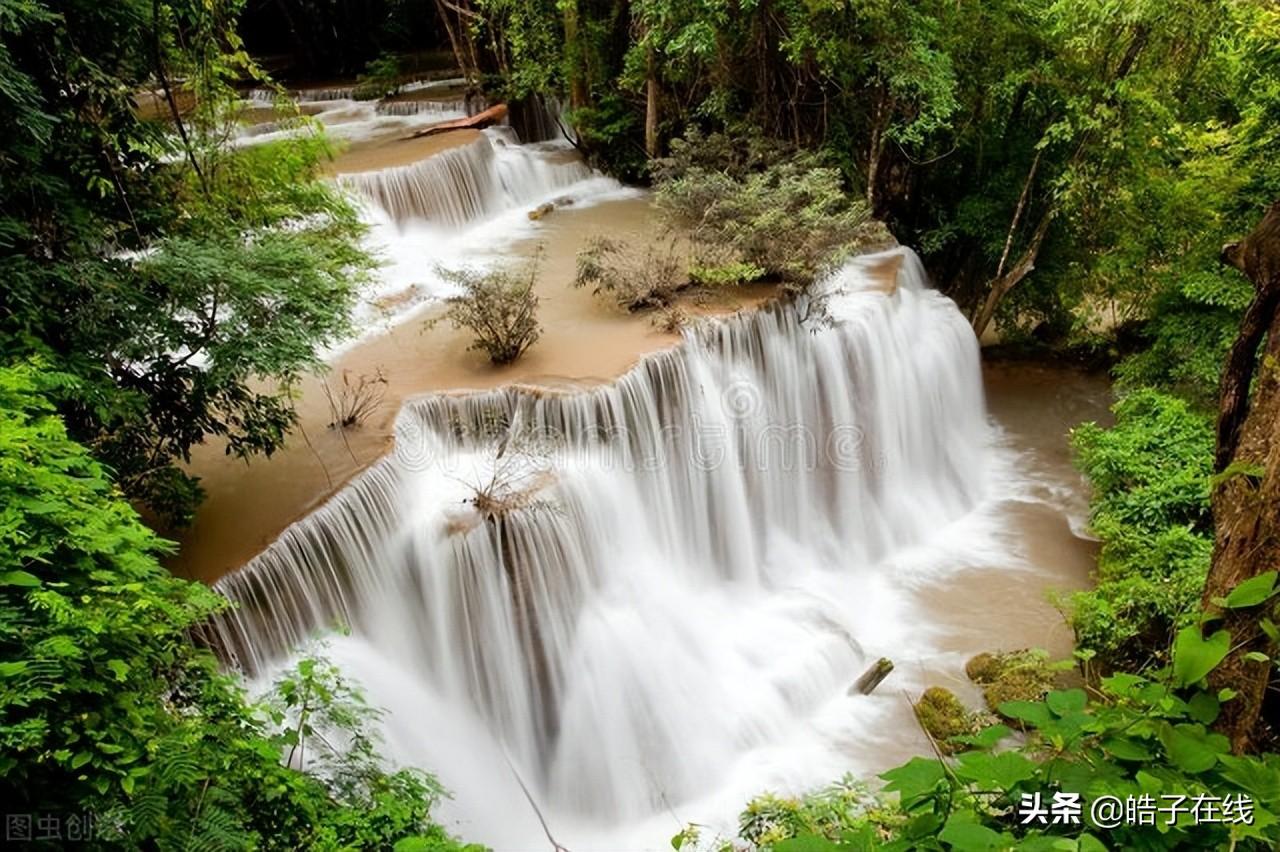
[722,541]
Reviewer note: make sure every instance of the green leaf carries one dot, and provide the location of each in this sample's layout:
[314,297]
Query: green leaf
[926,824]
[990,771]
[126,783]
[13,669]
[1194,656]
[915,778]
[1257,657]
[81,759]
[1089,843]
[1034,713]
[1260,780]
[806,843]
[1252,591]
[1204,708]
[987,737]
[1190,748]
[971,837]
[19,578]
[1066,702]
[119,668]
[1125,748]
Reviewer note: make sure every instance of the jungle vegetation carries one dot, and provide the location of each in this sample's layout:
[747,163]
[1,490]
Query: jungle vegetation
[1069,169]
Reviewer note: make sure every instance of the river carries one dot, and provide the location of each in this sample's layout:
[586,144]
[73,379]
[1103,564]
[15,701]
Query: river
[685,551]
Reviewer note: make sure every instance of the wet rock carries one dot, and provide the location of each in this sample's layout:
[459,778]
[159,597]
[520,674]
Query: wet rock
[1025,675]
[944,717]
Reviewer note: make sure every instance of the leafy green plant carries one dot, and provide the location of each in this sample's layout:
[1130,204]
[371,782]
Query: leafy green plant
[186,283]
[782,213]
[1136,736]
[1150,474]
[636,278]
[499,307]
[381,78]
[108,708]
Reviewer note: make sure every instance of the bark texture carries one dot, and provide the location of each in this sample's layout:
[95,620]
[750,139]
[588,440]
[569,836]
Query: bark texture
[651,107]
[1246,501]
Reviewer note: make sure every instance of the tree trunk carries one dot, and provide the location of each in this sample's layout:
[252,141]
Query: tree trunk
[163,78]
[875,149]
[1246,501]
[651,108]
[454,44]
[1006,281]
[576,55]
[456,16]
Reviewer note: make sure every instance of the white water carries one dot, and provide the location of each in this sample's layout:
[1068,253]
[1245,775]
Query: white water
[461,208]
[470,182]
[351,121]
[716,546]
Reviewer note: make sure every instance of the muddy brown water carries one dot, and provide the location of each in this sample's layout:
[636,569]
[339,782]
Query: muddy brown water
[392,148]
[584,341]
[1009,606]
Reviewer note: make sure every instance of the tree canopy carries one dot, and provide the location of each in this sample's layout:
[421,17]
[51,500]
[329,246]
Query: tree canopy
[182,284]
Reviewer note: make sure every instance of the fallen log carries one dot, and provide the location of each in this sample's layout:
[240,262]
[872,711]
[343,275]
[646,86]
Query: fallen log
[872,677]
[492,115]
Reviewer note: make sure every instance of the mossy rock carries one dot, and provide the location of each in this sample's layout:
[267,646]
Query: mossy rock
[1025,675]
[945,717]
[984,668]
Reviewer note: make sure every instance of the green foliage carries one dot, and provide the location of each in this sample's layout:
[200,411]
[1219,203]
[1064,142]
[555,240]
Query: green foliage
[499,307]
[775,211]
[1150,475]
[380,79]
[1191,328]
[184,284]
[529,42]
[1147,129]
[1138,737]
[608,129]
[637,279]
[833,811]
[107,707]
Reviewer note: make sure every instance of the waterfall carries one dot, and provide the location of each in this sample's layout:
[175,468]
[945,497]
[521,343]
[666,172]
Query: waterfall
[539,118]
[261,95]
[460,185]
[444,109]
[629,590]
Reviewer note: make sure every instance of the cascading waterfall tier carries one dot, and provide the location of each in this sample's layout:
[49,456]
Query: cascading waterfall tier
[460,185]
[627,589]
[444,109]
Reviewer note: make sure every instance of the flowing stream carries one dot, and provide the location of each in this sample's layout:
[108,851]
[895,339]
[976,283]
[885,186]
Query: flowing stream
[646,602]
[677,572]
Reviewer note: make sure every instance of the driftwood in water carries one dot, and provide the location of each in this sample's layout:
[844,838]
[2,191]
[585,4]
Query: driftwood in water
[492,115]
[872,677]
